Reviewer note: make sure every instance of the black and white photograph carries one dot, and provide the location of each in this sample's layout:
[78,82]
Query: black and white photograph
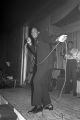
[40,60]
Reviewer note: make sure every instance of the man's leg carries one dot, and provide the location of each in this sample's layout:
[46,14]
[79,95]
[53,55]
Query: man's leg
[68,77]
[32,86]
[45,94]
[74,83]
[45,86]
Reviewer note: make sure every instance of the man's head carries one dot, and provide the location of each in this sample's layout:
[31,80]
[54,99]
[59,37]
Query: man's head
[70,45]
[34,32]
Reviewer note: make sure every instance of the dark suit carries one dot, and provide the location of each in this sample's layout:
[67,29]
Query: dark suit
[31,83]
[33,51]
[41,81]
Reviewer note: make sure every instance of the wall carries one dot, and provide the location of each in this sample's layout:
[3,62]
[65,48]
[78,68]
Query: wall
[73,32]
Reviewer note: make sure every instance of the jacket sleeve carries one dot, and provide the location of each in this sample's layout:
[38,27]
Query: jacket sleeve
[31,49]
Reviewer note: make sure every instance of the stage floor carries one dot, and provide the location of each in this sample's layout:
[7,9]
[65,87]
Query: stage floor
[66,107]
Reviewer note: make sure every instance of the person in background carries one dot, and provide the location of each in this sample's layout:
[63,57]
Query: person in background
[41,98]
[71,67]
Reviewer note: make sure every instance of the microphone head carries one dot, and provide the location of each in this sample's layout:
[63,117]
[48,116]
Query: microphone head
[62,38]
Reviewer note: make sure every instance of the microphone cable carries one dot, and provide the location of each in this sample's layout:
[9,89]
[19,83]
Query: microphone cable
[48,55]
[65,67]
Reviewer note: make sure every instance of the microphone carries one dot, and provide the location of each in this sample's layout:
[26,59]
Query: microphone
[62,38]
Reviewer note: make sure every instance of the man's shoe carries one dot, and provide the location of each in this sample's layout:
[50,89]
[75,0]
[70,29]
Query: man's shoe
[33,109]
[38,109]
[49,107]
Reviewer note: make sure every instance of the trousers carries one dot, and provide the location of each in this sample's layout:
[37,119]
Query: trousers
[41,88]
[71,75]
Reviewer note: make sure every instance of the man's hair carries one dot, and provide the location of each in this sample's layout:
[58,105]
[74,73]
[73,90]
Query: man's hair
[70,42]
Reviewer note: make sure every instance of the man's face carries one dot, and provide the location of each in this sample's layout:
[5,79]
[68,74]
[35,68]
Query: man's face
[34,33]
[70,45]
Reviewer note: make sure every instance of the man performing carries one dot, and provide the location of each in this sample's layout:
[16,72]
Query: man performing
[31,45]
[41,98]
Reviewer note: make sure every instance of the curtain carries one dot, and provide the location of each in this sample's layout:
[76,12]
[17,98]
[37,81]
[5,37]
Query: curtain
[64,10]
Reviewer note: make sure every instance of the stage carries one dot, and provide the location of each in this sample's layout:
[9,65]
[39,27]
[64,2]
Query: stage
[66,107]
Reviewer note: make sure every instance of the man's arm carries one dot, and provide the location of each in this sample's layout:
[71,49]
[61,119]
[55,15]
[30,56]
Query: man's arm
[31,49]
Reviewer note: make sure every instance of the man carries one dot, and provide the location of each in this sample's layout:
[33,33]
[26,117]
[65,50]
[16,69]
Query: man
[41,98]
[71,68]
[31,46]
